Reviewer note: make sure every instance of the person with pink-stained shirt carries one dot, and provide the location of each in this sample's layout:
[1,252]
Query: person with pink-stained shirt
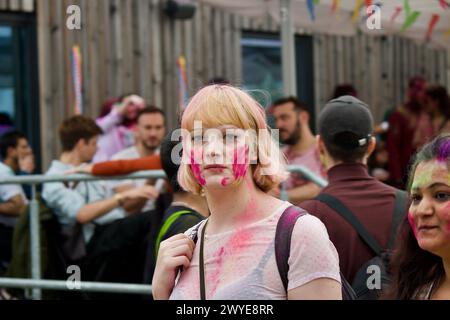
[230,157]
[300,148]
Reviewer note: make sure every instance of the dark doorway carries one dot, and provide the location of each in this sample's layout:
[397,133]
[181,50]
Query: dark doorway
[18,76]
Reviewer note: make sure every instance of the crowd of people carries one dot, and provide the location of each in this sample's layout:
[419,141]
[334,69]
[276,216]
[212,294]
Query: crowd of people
[215,227]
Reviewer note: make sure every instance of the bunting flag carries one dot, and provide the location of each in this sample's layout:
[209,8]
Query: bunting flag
[433,21]
[77,79]
[447,33]
[368,4]
[335,6]
[409,21]
[444,4]
[397,12]
[316,2]
[312,14]
[182,82]
[407,8]
[356,10]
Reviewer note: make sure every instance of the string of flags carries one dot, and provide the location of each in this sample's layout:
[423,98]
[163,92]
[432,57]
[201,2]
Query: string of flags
[410,15]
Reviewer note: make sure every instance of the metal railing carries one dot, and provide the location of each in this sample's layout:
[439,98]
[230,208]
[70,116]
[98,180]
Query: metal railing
[36,283]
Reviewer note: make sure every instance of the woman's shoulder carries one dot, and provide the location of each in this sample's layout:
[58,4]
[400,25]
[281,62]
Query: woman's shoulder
[309,226]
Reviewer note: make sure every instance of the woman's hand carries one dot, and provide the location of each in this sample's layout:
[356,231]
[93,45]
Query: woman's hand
[173,253]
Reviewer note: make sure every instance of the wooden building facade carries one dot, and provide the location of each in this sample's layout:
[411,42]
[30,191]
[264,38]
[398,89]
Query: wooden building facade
[132,46]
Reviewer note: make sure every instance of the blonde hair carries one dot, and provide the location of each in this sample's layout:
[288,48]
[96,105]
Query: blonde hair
[218,105]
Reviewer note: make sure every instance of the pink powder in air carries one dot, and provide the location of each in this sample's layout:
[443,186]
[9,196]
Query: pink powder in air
[195,167]
[411,223]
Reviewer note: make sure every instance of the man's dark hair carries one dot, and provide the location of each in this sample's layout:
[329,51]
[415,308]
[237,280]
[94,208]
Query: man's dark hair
[75,128]
[298,105]
[151,110]
[343,154]
[168,165]
[344,90]
[10,140]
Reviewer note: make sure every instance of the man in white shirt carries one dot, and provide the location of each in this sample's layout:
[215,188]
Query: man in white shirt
[13,148]
[150,131]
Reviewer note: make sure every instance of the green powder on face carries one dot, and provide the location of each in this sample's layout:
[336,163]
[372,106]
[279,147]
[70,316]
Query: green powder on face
[428,172]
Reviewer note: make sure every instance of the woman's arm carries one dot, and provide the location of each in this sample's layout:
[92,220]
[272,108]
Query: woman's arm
[318,289]
[110,121]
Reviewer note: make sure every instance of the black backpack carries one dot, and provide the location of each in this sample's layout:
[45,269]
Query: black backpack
[378,266]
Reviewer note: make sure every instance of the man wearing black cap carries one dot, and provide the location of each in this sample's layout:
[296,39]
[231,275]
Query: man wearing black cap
[345,141]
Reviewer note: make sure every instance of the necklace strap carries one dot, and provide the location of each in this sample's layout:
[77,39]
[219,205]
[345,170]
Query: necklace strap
[201,264]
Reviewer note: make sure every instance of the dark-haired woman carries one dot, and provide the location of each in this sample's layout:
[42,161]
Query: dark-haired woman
[421,266]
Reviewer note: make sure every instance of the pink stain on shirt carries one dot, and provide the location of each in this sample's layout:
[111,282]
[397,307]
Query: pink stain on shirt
[215,278]
[195,167]
[411,223]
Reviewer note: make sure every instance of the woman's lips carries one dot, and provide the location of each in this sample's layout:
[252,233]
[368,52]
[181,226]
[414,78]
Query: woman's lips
[215,167]
[426,228]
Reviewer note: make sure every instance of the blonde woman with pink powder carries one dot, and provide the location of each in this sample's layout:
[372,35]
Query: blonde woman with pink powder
[230,157]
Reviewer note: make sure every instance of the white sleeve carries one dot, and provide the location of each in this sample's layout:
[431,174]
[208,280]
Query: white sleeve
[312,255]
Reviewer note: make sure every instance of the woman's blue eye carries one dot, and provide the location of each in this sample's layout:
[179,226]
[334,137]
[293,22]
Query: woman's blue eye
[442,196]
[230,137]
[197,138]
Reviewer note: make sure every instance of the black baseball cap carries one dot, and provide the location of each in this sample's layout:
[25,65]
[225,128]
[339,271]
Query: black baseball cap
[170,166]
[346,122]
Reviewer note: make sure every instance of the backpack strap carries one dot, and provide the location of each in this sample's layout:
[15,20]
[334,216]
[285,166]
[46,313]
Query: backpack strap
[166,225]
[397,216]
[283,235]
[345,213]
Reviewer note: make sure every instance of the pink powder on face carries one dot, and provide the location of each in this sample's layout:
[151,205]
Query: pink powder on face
[195,167]
[240,161]
[411,223]
[224,182]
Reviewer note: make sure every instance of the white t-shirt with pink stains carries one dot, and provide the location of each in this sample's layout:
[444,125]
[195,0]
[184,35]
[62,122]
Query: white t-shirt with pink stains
[241,265]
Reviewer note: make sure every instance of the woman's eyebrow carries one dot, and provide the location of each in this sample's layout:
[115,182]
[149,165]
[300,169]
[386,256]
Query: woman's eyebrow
[431,186]
[439,184]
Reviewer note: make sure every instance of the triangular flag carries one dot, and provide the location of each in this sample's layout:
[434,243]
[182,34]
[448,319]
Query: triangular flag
[410,19]
[407,7]
[356,10]
[447,33]
[444,4]
[335,5]
[312,13]
[433,21]
[397,12]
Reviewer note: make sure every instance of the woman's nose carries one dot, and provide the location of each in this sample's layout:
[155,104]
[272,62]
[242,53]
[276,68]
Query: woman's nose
[213,149]
[425,207]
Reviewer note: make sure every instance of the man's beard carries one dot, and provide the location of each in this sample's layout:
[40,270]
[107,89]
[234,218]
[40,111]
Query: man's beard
[294,137]
[150,146]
